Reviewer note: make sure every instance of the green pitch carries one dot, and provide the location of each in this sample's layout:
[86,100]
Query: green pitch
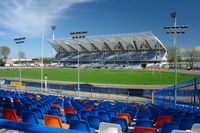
[126,77]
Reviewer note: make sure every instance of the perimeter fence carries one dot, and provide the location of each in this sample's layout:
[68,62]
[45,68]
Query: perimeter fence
[184,96]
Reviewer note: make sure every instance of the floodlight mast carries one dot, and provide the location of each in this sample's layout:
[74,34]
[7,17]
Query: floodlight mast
[19,41]
[53,38]
[77,36]
[175,30]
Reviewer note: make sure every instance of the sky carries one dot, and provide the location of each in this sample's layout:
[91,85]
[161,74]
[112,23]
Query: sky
[26,18]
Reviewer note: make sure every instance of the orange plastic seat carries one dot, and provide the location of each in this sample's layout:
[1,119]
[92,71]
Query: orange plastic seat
[57,105]
[10,114]
[54,121]
[125,116]
[144,130]
[162,119]
[88,108]
[69,110]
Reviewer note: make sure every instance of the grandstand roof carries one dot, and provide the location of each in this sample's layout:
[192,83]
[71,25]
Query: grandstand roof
[145,41]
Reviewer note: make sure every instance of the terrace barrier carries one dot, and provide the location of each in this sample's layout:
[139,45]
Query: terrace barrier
[185,95]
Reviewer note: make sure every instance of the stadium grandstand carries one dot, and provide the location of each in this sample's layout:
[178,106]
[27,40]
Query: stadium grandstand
[126,51]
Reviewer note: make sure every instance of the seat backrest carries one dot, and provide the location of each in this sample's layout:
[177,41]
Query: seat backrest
[72,116]
[143,117]
[178,118]
[56,105]
[162,119]
[196,127]
[122,122]
[53,112]
[69,110]
[29,117]
[56,108]
[39,113]
[52,121]
[168,127]
[144,123]
[186,123]
[79,125]
[9,114]
[182,131]
[88,108]
[125,116]
[94,121]
[109,128]
[95,112]
[144,130]
[104,116]
[85,114]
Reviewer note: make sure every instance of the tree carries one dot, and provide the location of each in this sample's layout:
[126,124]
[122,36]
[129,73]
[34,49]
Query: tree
[4,51]
[191,55]
[21,55]
[170,51]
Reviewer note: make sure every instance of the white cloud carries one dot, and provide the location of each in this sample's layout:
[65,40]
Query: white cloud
[26,16]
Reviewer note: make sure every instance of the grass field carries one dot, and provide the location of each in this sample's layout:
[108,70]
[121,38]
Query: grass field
[126,77]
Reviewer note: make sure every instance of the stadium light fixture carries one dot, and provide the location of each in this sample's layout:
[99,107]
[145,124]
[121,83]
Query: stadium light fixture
[19,41]
[77,36]
[175,30]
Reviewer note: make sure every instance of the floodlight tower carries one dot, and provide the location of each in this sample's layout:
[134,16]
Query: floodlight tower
[77,36]
[53,29]
[175,30]
[19,41]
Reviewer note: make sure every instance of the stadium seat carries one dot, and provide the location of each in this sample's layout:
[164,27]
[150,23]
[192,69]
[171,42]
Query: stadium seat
[122,122]
[54,121]
[144,130]
[125,116]
[182,131]
[57,105]
[81,125]
[104,116]
[144,123]
[30,117]
[72,116]
[94,121]
[143,117]
[69,110]
[162,119]
[196,127]
[186,123]
[109,128]
[10,114]
[168,127]
[85,114]
[88,108]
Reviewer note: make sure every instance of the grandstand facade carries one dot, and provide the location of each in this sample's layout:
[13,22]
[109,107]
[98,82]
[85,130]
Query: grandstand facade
[130,50]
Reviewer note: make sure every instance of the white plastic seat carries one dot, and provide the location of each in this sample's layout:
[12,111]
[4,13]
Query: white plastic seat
[109,128]
[182,131]
[196,127]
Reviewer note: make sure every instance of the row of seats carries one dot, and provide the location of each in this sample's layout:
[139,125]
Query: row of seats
[89,115]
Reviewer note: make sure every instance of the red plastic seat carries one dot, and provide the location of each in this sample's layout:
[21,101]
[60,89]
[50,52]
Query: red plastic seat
[88,108]
[125,116]
[69,110]
[144,130]
[162,119]
[10,114]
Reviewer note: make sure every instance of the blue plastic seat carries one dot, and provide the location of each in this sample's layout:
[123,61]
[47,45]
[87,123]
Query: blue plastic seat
[143,117]
[72,116]
[144,123]
[186,123]
[168,127]
[178,118]
[95,112]
[39,113]
[122,122]
[85,114]
[104,116]
[81,125]
[30,117]
[94,121]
